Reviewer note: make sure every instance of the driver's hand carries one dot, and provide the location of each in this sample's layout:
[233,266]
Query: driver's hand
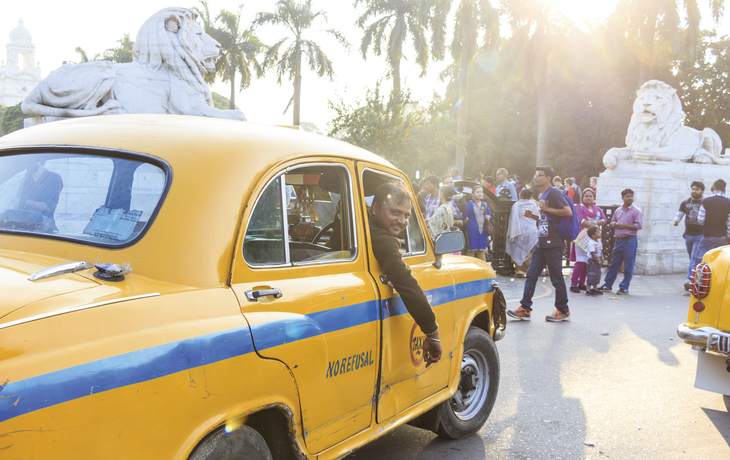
[431,349]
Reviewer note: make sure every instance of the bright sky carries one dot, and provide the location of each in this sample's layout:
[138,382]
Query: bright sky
[58,27]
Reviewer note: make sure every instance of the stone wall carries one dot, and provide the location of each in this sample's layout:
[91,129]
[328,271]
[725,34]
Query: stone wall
[659,189]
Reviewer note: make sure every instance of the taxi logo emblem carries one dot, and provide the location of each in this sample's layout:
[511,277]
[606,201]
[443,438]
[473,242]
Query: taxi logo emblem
[416,346]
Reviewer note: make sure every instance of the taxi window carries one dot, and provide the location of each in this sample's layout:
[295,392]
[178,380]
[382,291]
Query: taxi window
[95,199]
[411,239]
[303,216]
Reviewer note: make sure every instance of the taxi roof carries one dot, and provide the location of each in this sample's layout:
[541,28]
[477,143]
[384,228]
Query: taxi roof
[215,166]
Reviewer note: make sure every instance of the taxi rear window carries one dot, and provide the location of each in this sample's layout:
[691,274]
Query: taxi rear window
[92,198]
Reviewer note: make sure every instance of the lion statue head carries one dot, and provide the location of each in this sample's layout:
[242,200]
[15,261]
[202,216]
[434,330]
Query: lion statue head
[172,38]
[657,115]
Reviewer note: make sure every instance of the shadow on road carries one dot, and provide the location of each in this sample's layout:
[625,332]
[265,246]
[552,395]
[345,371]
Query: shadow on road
[721,420]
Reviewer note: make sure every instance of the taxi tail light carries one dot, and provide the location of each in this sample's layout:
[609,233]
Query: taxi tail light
[701,281]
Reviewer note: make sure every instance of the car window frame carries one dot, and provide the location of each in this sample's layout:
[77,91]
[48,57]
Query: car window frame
[285,220]
[104,152]
[414,205]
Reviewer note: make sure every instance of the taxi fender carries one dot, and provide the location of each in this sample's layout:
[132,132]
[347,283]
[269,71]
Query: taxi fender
[278,392]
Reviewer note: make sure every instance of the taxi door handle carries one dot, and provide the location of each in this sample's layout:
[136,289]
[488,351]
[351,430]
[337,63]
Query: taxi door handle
[253,296]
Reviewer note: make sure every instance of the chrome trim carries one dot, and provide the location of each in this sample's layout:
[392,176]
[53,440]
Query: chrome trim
[498,335]
[60,269]
[714,339]
[414,205]
[718,339]
[73,309]
[284,217]
[353,231]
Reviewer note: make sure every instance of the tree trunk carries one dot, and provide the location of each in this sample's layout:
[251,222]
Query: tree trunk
[297,95]
[646,41]
[233,92]
[396,78]
[543,105]
[461,115]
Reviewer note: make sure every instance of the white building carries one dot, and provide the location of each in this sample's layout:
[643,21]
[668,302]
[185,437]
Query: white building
[20,73]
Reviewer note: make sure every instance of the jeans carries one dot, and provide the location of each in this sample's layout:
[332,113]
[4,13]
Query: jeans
[624,251]
[691,241]
[707,243]
[553,259]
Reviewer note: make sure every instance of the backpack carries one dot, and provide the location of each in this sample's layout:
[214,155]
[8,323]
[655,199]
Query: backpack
[568,228]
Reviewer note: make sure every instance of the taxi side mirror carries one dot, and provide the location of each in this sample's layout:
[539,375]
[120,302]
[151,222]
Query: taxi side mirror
[447,243]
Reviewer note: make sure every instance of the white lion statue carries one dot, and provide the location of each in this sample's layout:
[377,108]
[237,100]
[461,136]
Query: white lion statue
[171,54]
[656,132]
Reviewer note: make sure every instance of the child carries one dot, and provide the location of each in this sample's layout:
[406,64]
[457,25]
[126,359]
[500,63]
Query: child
[595,260]
[443,219]
[476,214]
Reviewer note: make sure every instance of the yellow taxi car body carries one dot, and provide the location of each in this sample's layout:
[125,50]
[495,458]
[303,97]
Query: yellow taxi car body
[707,328]
[254,313]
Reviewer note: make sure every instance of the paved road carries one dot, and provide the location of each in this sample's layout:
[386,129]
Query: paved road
[615,382]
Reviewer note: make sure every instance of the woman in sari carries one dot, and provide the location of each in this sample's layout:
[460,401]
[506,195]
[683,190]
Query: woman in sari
[589,215]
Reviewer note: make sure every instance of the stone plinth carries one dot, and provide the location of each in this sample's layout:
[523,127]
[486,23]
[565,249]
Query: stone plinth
[659,187]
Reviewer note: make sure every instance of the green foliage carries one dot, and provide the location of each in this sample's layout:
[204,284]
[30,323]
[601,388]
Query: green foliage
[393,22]
[12,119]
[221,102]
[704,87]
[411,137]
[240,48]
[120,54]
[298,18]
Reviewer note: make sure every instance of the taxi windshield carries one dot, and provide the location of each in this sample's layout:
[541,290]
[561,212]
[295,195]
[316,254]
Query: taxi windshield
[98,199]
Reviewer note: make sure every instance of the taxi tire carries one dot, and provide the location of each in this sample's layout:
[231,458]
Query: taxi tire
[243,443]
[479,350]
[726,399]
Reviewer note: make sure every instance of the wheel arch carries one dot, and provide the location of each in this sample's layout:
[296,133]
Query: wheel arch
[274,422]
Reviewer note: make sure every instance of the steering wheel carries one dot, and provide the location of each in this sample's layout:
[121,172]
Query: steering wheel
[324,230]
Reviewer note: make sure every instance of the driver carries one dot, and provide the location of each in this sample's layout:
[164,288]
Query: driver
[388,217]
[41,190]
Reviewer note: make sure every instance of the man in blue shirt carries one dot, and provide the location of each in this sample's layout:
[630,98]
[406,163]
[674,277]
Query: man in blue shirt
[502,182]
[549,250]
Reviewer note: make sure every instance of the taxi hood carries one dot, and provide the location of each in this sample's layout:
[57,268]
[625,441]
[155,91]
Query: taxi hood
[19,292]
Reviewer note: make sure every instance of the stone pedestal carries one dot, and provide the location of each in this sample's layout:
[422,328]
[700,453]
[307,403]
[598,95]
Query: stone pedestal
[38,119]
[659,187]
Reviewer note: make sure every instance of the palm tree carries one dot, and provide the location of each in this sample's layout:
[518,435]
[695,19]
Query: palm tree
[239,48]
[538,44]
[652,27]
[394,21]
[298,18]
[471,18]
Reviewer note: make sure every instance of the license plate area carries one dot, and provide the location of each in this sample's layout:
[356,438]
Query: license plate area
[712,373]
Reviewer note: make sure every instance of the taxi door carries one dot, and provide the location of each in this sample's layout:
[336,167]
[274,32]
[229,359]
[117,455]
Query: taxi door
[404,378]
[301,278]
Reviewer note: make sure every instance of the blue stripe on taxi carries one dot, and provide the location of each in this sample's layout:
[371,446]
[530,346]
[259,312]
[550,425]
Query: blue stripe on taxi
[34,393]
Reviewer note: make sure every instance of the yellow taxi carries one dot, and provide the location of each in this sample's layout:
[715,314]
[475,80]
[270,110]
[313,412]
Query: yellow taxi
[707,328]
[179,287]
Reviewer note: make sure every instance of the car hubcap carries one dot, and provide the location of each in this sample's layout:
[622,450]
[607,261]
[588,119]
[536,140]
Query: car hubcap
[473,385]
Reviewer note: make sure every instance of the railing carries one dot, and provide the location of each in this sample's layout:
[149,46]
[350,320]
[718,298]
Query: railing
[501,207]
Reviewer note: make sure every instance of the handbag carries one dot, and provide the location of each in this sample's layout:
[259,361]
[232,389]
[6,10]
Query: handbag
[488,228]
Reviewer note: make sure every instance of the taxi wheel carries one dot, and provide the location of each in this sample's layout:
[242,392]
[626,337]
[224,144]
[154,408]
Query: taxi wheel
[469,408]
[726,398]
[243,443]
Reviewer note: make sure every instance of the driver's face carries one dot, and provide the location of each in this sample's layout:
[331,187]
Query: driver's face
[391,216]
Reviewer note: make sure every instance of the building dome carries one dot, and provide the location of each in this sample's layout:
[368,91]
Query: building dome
[20,33]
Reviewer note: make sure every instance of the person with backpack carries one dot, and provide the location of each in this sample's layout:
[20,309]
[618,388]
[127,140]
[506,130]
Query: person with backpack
[556,222]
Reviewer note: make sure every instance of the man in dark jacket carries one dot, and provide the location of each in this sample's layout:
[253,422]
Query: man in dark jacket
[715,219]
[389,214]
